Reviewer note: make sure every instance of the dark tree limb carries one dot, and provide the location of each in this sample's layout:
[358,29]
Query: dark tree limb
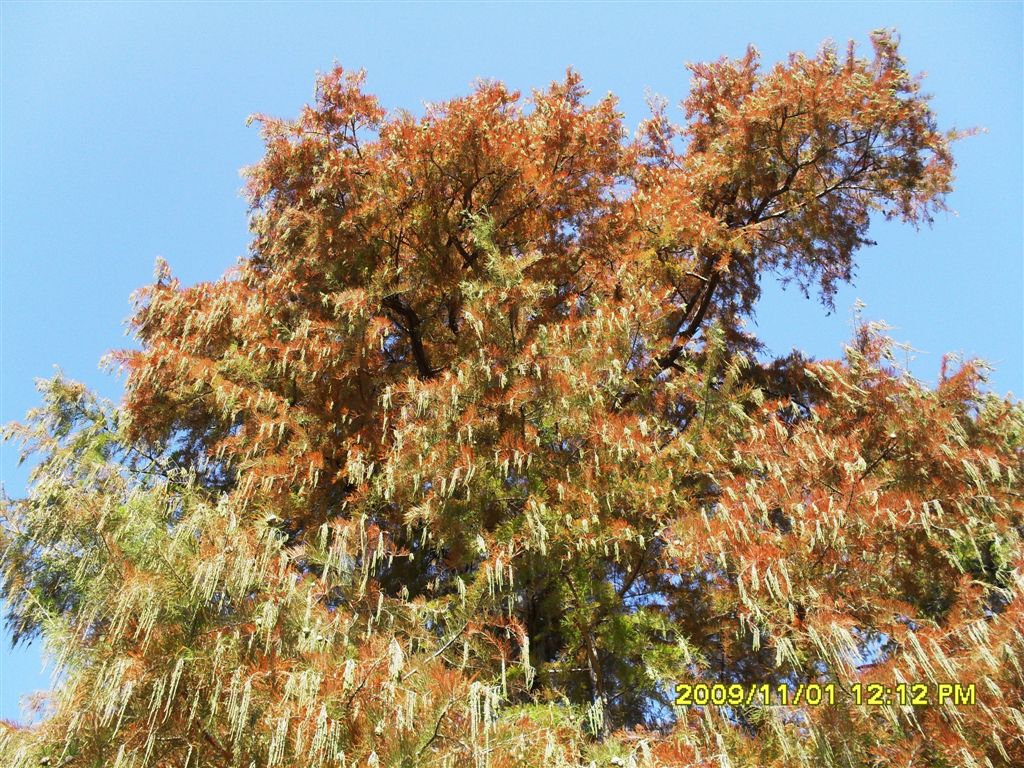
[412,327]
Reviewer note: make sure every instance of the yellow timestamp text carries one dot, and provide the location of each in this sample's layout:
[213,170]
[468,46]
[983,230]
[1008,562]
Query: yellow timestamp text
[825,694]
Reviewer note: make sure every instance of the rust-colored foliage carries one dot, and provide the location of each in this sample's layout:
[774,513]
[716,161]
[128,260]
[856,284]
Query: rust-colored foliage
[472,459]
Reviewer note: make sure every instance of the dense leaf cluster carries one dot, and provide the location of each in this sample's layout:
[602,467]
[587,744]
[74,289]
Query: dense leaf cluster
[472,458]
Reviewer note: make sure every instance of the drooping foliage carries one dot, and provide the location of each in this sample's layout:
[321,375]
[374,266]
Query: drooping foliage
[472,458]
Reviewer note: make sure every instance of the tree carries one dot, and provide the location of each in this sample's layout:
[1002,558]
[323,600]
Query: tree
[472,458]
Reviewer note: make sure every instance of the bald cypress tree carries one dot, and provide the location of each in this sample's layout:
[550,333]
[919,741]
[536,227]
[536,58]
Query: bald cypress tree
[473,458]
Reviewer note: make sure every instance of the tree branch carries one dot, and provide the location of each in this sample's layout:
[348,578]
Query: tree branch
[412,330]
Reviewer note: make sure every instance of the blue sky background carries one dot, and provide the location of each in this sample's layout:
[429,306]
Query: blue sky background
[123,132]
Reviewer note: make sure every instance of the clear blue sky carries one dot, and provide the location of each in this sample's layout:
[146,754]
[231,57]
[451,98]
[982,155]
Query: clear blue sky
[123,131]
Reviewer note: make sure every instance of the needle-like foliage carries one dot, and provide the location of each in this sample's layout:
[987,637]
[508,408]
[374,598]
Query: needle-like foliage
[473,458]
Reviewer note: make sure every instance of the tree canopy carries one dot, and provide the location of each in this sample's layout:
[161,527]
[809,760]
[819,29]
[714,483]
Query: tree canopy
[473,457]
